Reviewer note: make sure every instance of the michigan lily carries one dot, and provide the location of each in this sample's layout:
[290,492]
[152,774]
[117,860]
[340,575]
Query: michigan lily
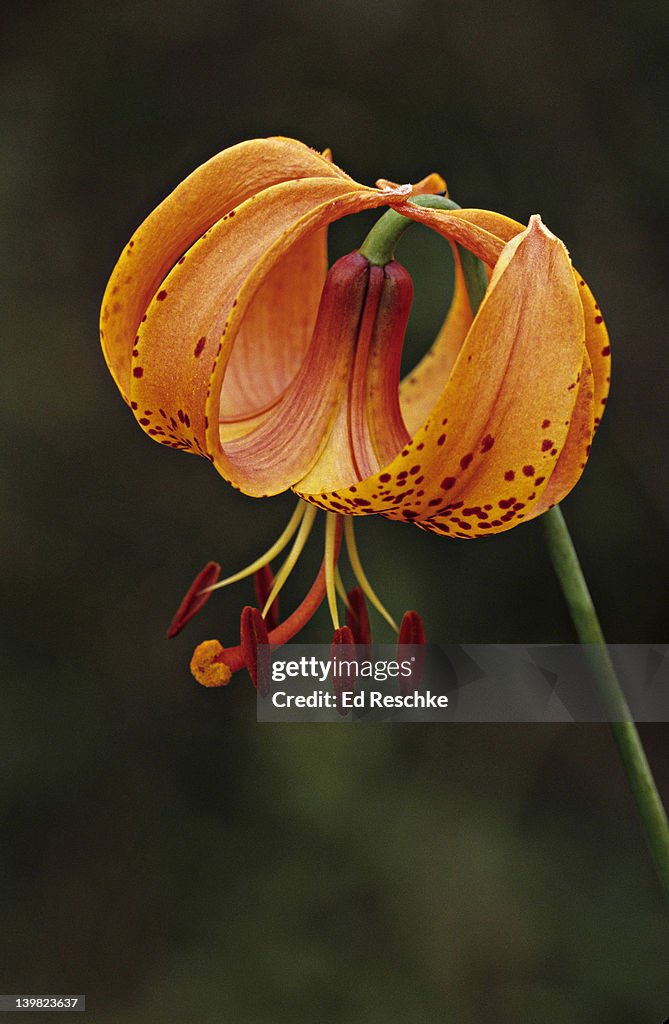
[229,338]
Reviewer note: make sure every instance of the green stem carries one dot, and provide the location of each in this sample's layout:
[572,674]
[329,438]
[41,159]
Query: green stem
[583,614]
[379,246]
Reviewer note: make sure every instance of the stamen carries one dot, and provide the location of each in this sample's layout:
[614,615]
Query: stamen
[412,630]
[213,664]
[360,576]
[330,565]
[253,631]
[341,589]
[412,633]
[194,598]
[284,572]
[276,549]
[342,638]
[263,581]
[357,618]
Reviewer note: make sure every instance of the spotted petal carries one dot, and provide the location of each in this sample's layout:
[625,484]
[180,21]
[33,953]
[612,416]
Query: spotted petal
[489,446]
[203,198]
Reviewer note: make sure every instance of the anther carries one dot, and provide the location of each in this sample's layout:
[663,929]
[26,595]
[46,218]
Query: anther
[357,617]
[253,631]
[343,637]
[196,596]
[412,633]
[263,581]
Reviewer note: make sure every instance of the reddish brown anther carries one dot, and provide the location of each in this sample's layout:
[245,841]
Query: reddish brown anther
[357,618]
[194,599]
[411,629]
[253,631]
[411,633]
[263,581]
[343,637]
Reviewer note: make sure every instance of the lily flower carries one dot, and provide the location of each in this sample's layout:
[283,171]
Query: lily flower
[229,338]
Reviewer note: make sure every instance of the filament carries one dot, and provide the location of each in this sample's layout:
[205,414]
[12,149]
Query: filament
[341,589]
[330,565]
[359,573]
[284,572]
[276,549]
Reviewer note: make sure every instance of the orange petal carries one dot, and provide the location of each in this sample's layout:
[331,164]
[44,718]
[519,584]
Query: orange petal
[421,388]
[191,325]
[285,307]
[187,337]
[205,196]
[490,444]
[481,231]
[599,349]
[574,455]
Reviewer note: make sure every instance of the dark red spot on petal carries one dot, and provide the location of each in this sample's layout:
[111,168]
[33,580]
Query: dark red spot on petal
[161,295]
[528,470]
[487,443]
[448,482]
[197,352]
[466,460]
[138,372]
[509,475]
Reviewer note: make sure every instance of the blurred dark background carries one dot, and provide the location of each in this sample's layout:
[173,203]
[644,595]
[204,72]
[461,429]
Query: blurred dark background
[162,852]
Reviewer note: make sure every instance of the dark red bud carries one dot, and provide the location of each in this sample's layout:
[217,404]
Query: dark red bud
[194,599]
[253,631]
[357,618]
[263,581]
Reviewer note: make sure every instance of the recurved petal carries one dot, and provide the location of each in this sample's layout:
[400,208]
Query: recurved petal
[186,340]
[574,455]
[487,449]
[206,195]
[277,328]
[599,349]
[483,232]
[421,388]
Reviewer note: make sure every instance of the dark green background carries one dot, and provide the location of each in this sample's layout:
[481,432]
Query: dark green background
[163,853]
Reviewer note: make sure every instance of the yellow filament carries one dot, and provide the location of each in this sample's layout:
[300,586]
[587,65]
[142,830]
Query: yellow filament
[341,589]
[359,573]
[276,549]
[284,572]
[330,566]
